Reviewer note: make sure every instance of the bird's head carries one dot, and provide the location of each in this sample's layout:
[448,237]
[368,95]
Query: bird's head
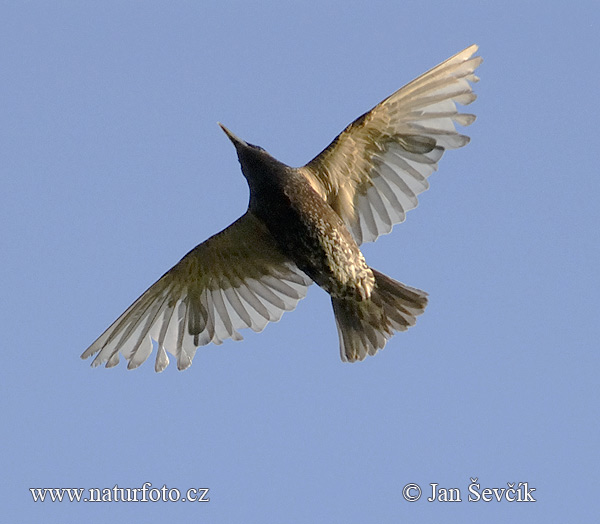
[241,145]
[253,159]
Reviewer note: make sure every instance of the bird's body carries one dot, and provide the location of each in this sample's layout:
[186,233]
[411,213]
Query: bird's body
[305,225]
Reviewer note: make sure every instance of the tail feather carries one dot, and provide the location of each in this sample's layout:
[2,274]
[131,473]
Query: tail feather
[365,326]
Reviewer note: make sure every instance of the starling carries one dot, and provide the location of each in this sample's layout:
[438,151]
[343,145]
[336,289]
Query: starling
[305,225]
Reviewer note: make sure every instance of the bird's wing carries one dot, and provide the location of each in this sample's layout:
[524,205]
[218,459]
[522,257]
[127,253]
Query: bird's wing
[236,279]
[373,171]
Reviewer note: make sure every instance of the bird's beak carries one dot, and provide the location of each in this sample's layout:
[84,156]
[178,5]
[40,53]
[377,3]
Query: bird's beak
[234,139]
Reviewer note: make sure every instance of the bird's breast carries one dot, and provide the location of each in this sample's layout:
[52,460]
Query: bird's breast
[308,231]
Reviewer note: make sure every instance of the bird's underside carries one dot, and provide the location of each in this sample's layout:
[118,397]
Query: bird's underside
[303,225]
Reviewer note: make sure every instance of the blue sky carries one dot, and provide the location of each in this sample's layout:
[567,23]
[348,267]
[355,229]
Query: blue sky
[113,167]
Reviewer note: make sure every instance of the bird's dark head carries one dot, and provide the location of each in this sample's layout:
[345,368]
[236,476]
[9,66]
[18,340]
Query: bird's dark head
[254,160]
[241,145]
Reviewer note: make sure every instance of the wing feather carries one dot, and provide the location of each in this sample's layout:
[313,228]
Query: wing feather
[396,145]
[236,279]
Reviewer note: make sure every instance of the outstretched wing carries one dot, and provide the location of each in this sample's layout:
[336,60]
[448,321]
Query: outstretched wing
[236,279]
[373,171]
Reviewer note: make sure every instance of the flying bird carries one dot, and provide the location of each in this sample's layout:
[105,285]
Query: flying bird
[305,225]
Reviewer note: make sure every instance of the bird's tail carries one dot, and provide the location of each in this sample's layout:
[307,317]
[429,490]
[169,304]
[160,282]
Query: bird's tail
[365,326]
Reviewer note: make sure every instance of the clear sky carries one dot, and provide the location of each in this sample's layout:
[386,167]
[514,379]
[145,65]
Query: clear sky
[113,167]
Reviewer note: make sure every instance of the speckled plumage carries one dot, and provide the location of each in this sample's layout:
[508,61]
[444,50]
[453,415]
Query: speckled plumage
[303,225]
[306,224]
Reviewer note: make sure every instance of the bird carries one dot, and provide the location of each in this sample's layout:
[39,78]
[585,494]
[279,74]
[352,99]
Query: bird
[303,225]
